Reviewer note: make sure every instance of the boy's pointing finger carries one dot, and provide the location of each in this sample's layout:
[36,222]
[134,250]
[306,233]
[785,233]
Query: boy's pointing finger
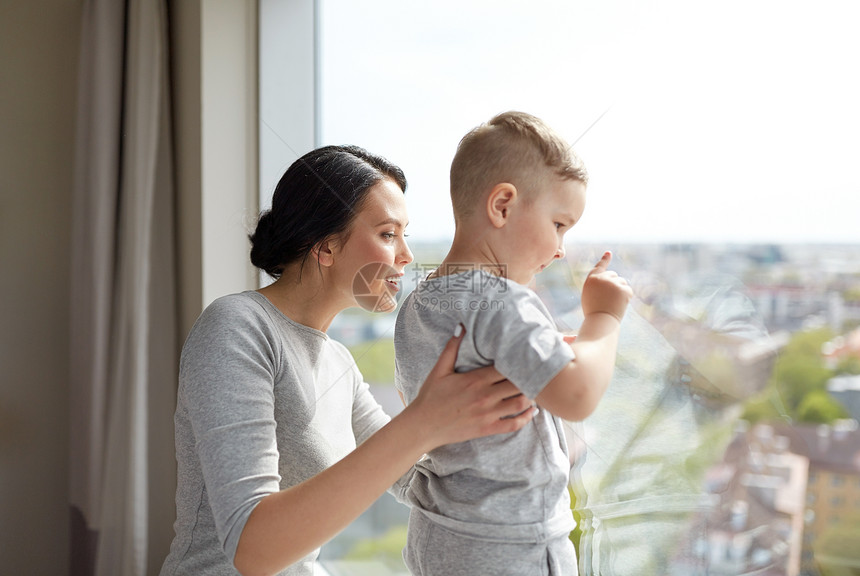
[603,263]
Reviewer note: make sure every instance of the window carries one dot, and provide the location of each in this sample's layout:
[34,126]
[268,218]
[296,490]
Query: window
[718,139]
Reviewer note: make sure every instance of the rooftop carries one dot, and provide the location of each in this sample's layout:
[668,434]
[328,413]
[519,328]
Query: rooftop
[835,448]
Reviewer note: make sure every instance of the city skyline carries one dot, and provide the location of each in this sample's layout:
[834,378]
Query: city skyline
[786,484]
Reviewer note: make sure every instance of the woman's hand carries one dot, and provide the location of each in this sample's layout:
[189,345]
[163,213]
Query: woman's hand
[453,407]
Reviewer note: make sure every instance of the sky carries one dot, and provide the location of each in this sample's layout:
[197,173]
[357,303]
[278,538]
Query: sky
[735,121]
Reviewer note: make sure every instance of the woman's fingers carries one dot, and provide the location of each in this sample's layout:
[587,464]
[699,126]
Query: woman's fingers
[513,423]
[484,376]
[468,405]
[516,412]
[498,397]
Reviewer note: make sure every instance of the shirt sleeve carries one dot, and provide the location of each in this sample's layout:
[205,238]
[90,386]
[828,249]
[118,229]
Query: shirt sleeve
[517,334]
[227,387]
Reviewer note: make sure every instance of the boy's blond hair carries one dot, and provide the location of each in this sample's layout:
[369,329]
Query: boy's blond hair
[513,147]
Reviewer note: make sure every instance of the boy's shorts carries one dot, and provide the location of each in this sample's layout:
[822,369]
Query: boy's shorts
[433,550]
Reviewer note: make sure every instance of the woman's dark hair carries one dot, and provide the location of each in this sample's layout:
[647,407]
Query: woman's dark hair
[316,198]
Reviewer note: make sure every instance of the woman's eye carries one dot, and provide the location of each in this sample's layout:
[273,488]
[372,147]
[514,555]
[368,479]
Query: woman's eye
[389,235]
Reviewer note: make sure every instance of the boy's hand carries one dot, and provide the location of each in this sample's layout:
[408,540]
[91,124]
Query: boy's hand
[605,291]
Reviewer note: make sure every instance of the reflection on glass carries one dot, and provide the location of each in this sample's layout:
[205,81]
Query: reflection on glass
[704,457]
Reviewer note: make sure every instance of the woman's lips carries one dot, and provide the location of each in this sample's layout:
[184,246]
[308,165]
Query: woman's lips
[393,282]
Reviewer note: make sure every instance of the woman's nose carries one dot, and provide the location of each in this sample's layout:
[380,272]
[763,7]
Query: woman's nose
[405,255]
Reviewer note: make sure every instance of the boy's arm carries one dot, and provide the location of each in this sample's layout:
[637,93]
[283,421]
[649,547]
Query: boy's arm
[575,391]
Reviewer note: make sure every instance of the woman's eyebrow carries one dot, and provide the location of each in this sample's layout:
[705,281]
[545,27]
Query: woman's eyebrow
[394,221]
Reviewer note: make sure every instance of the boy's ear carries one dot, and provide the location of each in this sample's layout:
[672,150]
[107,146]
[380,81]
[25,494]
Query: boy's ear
[499,202]
[324,251]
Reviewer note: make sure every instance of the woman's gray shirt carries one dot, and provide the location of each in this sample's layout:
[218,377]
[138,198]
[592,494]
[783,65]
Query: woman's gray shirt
[264,403]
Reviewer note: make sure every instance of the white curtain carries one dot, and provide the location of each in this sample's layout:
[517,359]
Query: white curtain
[124,319]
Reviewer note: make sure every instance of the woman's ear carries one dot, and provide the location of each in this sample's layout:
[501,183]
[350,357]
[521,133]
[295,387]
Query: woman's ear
[499,203]
[323,252]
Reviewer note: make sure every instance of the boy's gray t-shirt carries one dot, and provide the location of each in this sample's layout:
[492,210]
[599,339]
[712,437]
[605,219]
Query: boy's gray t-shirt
[508,487]
[264,403]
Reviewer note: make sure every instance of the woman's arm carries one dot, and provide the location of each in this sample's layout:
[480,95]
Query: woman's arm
[287,525]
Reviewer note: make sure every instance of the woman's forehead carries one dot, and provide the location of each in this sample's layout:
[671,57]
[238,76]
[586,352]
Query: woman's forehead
[385,203]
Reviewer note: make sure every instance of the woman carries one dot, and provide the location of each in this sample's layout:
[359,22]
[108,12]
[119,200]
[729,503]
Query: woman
[270,410]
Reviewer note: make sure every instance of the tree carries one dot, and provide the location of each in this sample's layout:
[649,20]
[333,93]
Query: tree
[836,551]
[798,386]
[852,294]
[762,409]
[375,360]
[387,548]
[800,367]
[848,365]
[819,407]
[797,375]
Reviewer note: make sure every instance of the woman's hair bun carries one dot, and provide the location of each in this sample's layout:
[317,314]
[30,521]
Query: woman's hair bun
[265,255]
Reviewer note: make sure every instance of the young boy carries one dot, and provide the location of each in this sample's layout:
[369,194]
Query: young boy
[499,505]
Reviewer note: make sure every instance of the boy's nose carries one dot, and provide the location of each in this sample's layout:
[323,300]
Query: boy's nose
[559,253]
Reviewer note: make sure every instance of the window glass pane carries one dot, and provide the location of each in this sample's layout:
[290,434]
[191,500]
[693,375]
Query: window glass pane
[733,122]
[721,142]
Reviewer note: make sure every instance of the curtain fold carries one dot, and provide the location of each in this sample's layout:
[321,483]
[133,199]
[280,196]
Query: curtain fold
[124,322]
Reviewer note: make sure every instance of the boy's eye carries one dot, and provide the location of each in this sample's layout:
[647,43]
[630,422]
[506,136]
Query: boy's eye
[558,225]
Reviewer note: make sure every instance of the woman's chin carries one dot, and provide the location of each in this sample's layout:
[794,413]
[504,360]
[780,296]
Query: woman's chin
[375,288]
[382,301]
